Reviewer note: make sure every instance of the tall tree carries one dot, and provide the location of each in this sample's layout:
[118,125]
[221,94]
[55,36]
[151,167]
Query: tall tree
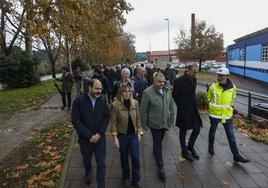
[208,43]
[128,47]
[12,24]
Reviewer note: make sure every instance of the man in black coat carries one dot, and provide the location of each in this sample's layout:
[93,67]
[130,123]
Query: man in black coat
[90,117]
[188,116]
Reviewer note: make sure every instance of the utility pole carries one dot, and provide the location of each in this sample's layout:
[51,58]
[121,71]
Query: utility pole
[169,57]
[149,44]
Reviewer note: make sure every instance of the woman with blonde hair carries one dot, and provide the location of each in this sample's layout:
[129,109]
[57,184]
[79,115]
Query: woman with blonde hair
[126,129]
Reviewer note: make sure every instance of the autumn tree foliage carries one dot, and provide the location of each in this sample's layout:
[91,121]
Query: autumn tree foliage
[90,29]
[208,43]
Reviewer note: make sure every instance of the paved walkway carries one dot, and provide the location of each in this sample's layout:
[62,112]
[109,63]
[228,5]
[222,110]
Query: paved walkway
[216,171]
[16,127]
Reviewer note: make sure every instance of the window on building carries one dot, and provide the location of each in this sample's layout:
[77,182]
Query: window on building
[231,56]
[265,53]
[242,54]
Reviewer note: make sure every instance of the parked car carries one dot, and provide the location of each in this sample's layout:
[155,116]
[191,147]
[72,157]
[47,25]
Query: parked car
[223,65]
[182,66]
[205,66]
[215,65]
[260,109]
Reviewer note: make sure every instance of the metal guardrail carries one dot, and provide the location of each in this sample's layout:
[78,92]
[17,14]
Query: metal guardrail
[250,95]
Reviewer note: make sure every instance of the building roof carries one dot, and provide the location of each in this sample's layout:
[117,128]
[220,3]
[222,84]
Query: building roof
[257,33]
[162,53]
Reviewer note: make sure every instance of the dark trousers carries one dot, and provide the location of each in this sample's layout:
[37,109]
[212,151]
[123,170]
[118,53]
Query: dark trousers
[99,149]
[193,137]
[78,87]
[158,135]
[129,143]
[229,130]
[63,95]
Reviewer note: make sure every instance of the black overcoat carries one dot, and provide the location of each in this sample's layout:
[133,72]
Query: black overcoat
[184,96]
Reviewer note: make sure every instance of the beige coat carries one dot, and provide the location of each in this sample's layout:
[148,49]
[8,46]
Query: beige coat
[119,117]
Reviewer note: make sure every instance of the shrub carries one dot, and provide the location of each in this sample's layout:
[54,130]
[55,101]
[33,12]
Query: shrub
[201,101]
[79,62]
[18,70]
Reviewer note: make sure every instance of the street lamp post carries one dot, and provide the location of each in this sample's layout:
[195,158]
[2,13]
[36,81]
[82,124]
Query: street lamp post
[169,57]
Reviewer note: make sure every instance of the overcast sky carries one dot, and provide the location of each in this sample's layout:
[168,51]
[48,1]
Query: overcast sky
[233,18]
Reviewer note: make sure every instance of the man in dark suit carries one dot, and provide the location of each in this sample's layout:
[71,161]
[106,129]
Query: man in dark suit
[188,116]
[90,117]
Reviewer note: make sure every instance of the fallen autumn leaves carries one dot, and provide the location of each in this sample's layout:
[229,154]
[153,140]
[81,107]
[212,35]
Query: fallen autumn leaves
[251,130]
[39,162]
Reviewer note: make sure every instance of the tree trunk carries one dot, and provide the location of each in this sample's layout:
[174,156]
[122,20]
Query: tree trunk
[68,55]
[200,69]
[28,33]
[52,63]
[2,30]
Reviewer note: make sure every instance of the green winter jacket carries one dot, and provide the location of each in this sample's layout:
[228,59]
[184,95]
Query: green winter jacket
[156,110]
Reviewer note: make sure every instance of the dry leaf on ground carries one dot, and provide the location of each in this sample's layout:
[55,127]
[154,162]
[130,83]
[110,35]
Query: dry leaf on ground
[181,159]
[49,183]
[180,175]
[22,167]
[225,182]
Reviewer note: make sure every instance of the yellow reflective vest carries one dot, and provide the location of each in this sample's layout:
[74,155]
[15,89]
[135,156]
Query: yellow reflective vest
[221,101]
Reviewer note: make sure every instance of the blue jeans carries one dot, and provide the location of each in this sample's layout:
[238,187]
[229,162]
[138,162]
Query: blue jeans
[158,135]
[99,149]
[229,130]
[129,143]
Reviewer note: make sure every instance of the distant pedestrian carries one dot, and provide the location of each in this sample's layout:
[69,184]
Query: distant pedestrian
[126,129]
[110,75]
[66,87]
[78,79]
[221,96]
[157,113]
[140,83]
[170,74]
[126,80]
[90,117]
[118,73]
[188,116]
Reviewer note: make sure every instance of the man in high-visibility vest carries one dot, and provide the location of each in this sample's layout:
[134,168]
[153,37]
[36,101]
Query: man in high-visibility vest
[221,96]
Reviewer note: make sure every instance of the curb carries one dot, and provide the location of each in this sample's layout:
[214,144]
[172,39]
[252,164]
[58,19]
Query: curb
[44,101]
[67,162]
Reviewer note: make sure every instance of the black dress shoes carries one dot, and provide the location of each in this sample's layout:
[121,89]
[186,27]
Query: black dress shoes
[125,183]
[136,184]
[88,178]
[161,174]
[187,155]
[241,159]
[211,150]
[193,152]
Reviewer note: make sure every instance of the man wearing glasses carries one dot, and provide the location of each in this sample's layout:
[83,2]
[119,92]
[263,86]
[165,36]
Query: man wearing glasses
[157,113]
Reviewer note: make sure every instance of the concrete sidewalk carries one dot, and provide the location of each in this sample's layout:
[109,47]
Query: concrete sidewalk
[216,171]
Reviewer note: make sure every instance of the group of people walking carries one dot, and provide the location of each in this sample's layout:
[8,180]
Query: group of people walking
[136,107]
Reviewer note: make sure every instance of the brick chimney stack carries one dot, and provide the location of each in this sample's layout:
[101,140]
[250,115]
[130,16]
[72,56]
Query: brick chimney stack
[193,30]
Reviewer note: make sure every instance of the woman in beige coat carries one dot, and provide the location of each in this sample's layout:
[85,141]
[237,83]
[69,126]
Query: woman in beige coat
[126,129]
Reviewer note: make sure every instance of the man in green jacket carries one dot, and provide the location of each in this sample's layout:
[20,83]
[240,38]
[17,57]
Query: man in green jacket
[157,113]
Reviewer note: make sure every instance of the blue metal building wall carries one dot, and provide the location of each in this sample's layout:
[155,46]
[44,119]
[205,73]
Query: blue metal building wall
[257,75]
[236,54]
[254,53]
